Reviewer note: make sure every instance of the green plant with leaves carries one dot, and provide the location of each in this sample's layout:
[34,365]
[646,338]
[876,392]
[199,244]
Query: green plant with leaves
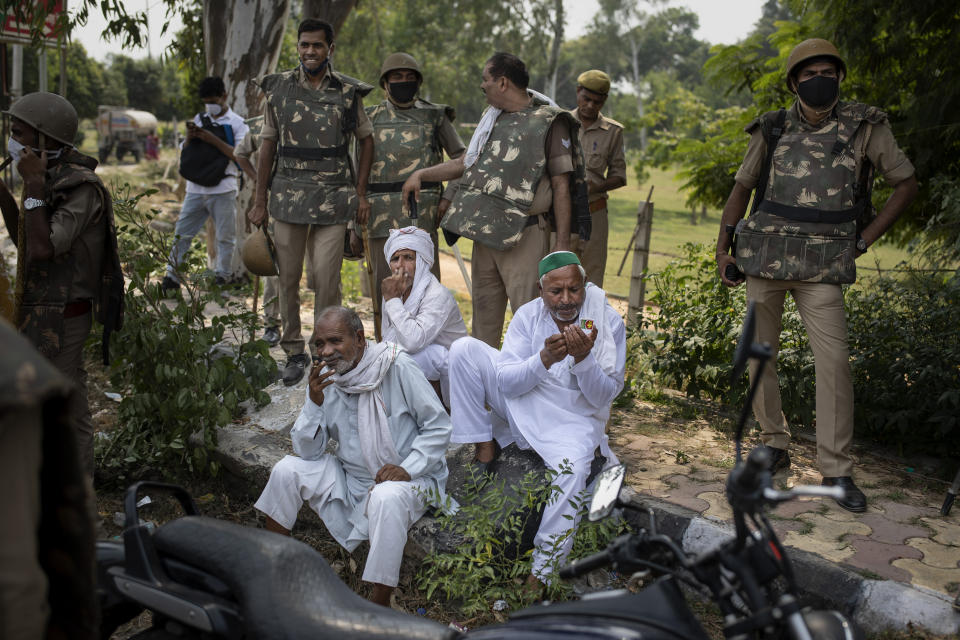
[493,557]
[182,372]
[905,361]
[690,343]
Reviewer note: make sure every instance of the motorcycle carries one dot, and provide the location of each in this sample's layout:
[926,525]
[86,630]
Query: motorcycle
[206,578]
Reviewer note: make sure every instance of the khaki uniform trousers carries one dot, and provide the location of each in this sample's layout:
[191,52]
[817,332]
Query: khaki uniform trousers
[593,252]
[499,276]
[381,267]
[323,247]
[821,309]
[70,363]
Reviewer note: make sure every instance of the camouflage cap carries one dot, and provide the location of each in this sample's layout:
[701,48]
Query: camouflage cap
[595,80]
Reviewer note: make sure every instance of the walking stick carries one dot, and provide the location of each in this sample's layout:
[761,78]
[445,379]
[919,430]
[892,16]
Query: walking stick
[373,286]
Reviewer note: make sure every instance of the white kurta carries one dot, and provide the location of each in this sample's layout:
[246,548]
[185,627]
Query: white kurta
[338,486]
[427,333]
[561,412]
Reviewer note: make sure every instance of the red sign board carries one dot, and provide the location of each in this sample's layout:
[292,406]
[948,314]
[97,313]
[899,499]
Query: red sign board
[17,31]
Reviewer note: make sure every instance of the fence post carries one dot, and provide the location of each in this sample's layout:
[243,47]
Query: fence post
[641,254]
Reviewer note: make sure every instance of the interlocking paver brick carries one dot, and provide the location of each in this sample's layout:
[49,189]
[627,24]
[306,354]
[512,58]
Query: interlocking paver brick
[827,538]
[719,508]
[890,532]
[877,556]
[937,555]
[945,531]
[795,507]
[906,513]
[684,491]
[926,576]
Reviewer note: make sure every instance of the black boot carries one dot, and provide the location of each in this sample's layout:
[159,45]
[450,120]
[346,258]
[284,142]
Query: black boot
[854,500]
[294,369]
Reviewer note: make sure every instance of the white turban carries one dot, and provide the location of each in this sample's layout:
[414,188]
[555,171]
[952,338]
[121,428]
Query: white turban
[417,240]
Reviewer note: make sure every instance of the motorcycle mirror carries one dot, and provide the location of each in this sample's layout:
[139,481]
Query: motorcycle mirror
[605,492]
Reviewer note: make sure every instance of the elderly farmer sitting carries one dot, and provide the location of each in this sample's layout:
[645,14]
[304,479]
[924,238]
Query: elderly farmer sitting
[370,443]
[549,389]
[419,313]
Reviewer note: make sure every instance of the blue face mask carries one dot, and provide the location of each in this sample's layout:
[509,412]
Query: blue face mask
[318,70]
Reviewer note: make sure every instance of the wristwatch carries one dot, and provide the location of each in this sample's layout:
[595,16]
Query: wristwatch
[861,245]
[33,203]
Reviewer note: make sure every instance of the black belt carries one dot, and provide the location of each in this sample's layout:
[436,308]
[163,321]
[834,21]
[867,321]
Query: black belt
[314,153]
[76,309]
[397,187]
[531,220]
[806,214]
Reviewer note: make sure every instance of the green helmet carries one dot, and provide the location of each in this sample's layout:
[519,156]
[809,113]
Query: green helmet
[396,61]
[49,114]
[809,49]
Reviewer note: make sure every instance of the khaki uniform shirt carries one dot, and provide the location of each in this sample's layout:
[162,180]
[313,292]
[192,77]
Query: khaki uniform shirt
[77,226]
[364,127]
[602,144]
[881,148]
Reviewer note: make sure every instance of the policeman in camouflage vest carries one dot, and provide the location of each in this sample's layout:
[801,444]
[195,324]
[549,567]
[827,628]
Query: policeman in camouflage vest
[410,133]
[312,116]
[68,268]
[812,167]
[520,164]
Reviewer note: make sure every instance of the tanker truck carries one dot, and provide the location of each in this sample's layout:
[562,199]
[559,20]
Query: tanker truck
[124,130]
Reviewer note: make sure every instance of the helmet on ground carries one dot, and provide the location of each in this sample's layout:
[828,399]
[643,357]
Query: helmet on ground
[49,114]
[396,61]
[809,49]
[259,254]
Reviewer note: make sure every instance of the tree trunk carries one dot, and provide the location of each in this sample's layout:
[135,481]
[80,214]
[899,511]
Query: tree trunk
[333,11]
[553,64]
[242,40]
[637,85]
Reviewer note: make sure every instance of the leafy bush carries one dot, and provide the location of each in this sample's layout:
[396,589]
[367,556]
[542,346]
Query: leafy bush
[181,375]
[491,563]
[905,350]
[690,344]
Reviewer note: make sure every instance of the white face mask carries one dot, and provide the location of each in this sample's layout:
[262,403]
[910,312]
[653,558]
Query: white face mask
[213,108]
[15,149]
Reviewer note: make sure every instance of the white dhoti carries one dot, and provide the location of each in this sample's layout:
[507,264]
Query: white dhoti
[473,387]
[381,513]
[434,361]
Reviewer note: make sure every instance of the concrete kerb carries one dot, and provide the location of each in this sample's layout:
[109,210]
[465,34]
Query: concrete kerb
[251,450]
[875,605]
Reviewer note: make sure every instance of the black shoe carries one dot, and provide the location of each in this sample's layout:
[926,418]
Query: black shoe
[294,369]
[169,284]
[271,335]
[220,281]
[479,469]
[854,500]
[779,459]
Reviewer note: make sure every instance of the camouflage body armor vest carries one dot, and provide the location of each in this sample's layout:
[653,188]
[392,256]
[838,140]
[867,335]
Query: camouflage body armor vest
[404,140]
[805,225]
[500,192]
[313,180]
[47,284]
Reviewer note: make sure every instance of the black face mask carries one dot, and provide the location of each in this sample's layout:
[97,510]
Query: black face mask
[819,91]
[403,92]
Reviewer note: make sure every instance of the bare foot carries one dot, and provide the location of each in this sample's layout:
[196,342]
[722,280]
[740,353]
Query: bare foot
[276,527]
[532,587]
[484,451]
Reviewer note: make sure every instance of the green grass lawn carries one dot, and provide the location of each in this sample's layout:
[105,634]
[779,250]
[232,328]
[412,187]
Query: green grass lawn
[672,228]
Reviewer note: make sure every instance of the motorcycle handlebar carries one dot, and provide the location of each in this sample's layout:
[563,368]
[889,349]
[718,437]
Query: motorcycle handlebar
[585,565]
